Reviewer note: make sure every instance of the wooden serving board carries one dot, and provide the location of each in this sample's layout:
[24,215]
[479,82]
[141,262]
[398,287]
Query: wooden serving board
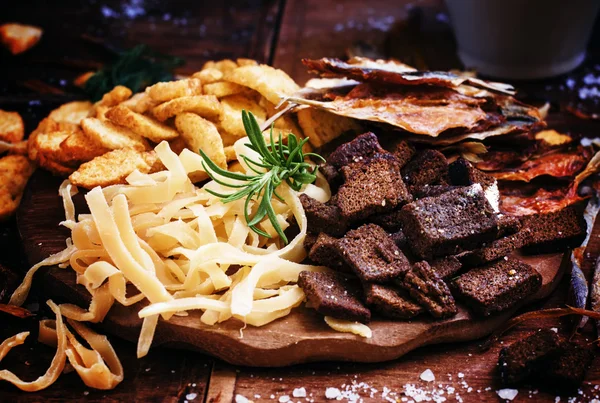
[300,337]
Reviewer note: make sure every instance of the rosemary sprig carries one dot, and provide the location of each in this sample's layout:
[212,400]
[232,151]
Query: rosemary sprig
[136,69]
[278,163]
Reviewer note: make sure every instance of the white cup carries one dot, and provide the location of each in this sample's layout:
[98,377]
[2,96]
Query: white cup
[522,39]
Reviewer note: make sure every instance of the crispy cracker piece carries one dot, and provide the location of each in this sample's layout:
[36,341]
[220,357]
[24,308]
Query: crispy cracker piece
[207,106]
[271,83]
[112,168]
[162,92]
[231,116]
[140,103]
[224,65]
[200,134]
[112,136]
[15,170]
[223,89]
[72,112]
[18,38]
[78,147]
[230,154]
[115,96]
[48,125]
[208,75]
[141,124]
[321,127]
[49,155]
[12,129]
[246,62]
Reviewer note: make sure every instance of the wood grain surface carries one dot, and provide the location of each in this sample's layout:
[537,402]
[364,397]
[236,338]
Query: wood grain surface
[281,32]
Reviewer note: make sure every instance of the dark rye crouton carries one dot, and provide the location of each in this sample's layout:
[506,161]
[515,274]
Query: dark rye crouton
[334,294]
[429,290]
[389,221]
[323,217]
[332,174]
[420,192]
[371,187]
[458,220]
[403,152]
[426,168]
[361,148]
[391,302]
[495,249]
[567,370]
[555,231]
[372,254]
[446,267]
[498,286]
[399,238]
[463,173]
[508,225]
[524,357]
[325,252]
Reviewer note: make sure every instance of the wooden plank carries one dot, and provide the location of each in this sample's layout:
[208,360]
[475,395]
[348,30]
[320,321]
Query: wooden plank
[221,385]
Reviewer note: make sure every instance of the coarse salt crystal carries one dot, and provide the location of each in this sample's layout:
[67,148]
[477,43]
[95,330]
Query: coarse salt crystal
[507,394]
[428,376]
[241,399]
[284,399]
[332,393]
[461,375]
[299,392]
[191,396]
[554,329]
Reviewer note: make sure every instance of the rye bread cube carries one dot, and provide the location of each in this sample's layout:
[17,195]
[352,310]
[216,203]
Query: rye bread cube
[323,217]
[389,221]
[334,294]
[371,187]
[446,267]
[420,192]
[456,221]
[403,152]
[391,302]
[361,148]
[567,371]
[497,286]
[496,249]
[555,231]
[325,252]
[426,168]
[429,290]
[463,173]
[523,358]
[399,239]
[373,255]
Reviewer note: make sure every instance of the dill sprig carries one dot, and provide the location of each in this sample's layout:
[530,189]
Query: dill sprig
[278,162]
[136,69]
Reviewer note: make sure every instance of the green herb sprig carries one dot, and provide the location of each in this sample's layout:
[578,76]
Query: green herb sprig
[136,69]
[278,163]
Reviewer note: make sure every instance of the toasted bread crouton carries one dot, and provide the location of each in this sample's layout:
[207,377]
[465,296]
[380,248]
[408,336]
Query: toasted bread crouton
[48,154]
[230,154]
[48,125]
[207,106]
[231,117]
[140,103]
[79,148]
[112,168]
[208,75]
[112,136]
[223,88]
[162,92]
[19,148]
[223,66]
[321,126]
[18,38]
[141,124]
[246,62]
[200,134]
[72,112]
[12,129]
[15,170]
[115,96]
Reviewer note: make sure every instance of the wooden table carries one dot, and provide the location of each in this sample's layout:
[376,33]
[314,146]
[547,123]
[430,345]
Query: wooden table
[279,32]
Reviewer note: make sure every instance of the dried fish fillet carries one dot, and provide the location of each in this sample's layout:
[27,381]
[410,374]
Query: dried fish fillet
[367,70]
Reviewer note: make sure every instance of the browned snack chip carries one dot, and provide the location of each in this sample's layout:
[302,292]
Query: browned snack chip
[334,294]
[324,252]
[498,286]
[203,105]
[18,38]
[15,171]
[72,112]
[78,148]
[112,168]
[519,360]
[370,187]
[12,129]
[231,114]
[112,136]
[323,217]
[455,221]
[373,255]
[391,302]
[429,290]
[201,134]
[140,124]
[166,91]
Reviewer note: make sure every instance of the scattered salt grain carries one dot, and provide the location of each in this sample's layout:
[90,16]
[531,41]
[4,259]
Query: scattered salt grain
[284,399]
[299,392]
[461,375]
[554,329]
[428,376]
[332,393]
[241,399]
[191,396]
[507,394]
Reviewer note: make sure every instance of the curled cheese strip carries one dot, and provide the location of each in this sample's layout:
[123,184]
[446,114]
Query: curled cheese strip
[346,326]
[102,301]
[146,335]
[56,366]
[67,191]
